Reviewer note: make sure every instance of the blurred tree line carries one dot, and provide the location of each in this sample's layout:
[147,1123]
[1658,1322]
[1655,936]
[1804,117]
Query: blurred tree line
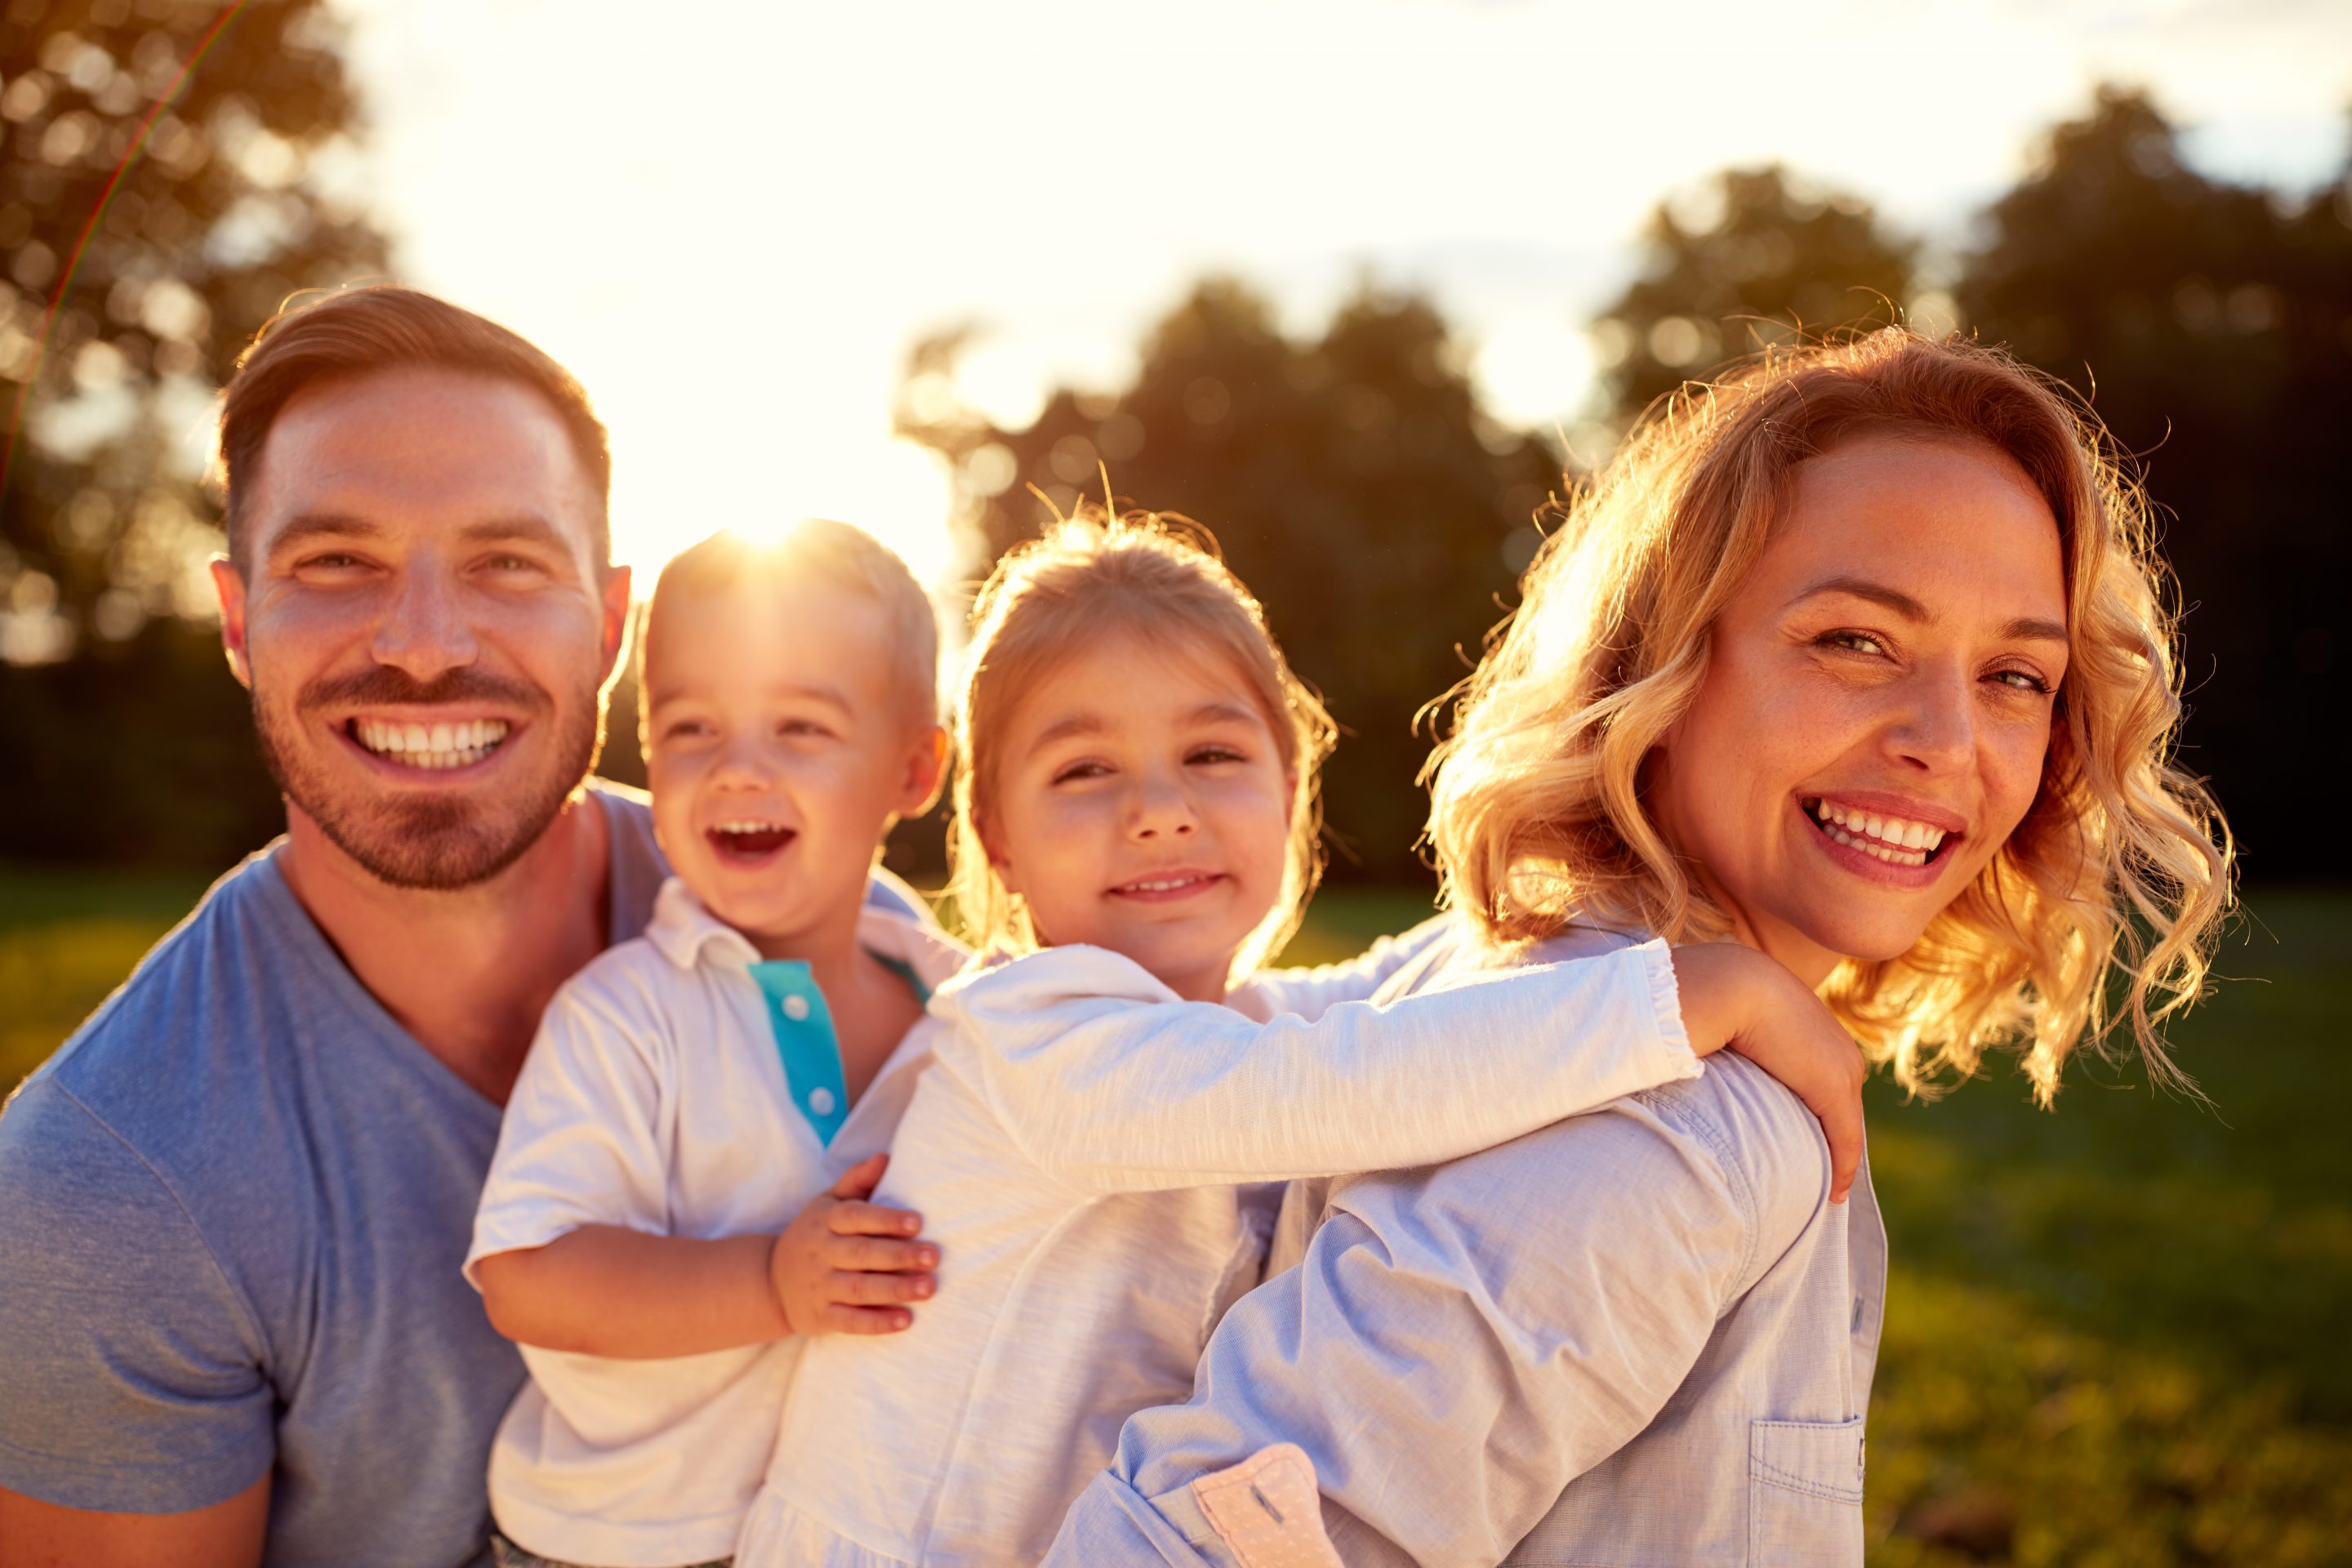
[1381,518]
[1349,474]
[127,740]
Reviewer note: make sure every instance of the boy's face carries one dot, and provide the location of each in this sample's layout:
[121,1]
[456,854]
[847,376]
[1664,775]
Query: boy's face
[779,748]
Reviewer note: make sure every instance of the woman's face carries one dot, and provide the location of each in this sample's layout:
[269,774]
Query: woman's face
[1877,703]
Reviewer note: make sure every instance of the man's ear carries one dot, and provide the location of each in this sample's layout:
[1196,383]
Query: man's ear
[616,593]
[229,583]
[927,772]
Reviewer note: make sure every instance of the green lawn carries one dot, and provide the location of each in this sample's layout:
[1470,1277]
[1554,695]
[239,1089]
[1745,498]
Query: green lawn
[2114,1333]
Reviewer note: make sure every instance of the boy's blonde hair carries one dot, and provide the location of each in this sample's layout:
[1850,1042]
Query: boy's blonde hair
[832,553]
[2123,862]
[1091,576]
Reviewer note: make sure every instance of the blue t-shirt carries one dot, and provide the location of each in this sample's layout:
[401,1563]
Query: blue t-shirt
[232,1212]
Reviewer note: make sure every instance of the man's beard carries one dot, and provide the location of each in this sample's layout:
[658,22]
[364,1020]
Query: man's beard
[429,841]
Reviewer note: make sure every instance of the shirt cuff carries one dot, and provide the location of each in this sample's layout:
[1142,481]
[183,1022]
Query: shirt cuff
[1667,1011]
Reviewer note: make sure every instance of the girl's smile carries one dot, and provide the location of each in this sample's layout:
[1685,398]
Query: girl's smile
[1143,808]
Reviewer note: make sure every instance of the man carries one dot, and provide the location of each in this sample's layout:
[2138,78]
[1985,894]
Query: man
[232,1208]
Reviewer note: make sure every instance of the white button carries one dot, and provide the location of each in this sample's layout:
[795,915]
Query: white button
[796,1009]
[820,1100]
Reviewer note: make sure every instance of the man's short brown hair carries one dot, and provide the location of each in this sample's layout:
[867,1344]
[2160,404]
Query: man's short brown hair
[360,332]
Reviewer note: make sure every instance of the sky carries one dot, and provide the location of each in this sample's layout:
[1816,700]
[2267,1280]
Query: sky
[731,220]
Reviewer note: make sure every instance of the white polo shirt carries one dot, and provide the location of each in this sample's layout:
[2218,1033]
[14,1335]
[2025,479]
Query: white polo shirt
[679,1085]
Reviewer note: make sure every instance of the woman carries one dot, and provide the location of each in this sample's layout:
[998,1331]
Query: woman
[1856,658]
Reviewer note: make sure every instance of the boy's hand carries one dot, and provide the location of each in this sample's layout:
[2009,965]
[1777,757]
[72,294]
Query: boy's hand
[844,1263]
[1736,996]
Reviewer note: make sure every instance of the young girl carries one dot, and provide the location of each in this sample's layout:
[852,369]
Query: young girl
[1136,829]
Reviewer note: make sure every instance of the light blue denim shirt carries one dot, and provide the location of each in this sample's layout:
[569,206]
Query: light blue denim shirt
[1641,1336]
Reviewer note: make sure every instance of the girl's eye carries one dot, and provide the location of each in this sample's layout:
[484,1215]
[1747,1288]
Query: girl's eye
[1079,771]
[1216,754]
[684,729]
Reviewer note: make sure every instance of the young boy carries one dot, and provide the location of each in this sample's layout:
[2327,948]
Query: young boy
[676,1200]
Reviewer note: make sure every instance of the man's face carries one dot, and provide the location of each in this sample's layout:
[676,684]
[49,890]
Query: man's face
[423,628]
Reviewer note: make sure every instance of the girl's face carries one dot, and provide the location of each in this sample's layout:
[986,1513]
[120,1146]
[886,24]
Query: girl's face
[1142,807]
[1877,701]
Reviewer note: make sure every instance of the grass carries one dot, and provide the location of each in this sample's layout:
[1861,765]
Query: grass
[2113,1332]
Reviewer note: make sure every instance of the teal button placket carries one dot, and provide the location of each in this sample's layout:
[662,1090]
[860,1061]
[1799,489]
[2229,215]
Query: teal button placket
[805,1043]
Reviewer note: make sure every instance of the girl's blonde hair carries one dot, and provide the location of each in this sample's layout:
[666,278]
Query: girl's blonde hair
[2122,863]
[1157,578]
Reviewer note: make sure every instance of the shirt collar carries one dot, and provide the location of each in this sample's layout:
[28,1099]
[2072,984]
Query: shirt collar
[685,932]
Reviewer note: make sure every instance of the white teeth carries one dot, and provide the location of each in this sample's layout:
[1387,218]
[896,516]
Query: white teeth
[441,746]
[1892,839]
[747,827]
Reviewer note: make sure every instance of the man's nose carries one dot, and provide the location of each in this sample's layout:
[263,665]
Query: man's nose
[423,631]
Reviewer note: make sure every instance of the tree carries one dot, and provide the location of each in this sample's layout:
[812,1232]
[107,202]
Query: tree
[1351,481]
[122,309]
[1776,259]
[2211,324]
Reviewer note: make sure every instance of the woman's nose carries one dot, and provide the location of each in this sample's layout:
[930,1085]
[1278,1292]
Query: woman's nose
[1937,729]
[423,631]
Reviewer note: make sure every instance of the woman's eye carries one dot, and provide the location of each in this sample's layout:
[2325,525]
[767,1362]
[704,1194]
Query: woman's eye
[1855,642]
[2022,681]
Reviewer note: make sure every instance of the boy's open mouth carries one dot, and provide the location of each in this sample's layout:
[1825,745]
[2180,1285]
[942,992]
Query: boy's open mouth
[749,841]
[433,746]
[1894,839]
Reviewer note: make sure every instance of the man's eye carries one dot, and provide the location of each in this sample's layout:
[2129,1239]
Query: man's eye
[509,564]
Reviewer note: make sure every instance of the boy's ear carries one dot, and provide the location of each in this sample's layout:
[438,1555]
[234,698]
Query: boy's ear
[927,772]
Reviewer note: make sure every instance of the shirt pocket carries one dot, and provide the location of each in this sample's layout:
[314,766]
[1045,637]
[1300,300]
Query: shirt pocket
[1805,1493]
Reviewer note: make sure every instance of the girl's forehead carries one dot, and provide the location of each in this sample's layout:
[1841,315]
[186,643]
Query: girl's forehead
[1133,680]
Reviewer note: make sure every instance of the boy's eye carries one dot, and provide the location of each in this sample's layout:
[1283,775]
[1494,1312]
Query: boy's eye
[684,729]
[804,727]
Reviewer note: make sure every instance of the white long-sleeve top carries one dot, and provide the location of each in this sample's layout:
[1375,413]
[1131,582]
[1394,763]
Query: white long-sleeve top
[1073,1151]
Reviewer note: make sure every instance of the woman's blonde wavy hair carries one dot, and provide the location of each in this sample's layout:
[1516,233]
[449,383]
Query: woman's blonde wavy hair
[2121,866]
[1159,578]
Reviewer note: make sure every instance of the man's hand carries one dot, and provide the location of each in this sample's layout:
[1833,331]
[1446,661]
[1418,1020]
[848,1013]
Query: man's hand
[1737,997]
[844,1264]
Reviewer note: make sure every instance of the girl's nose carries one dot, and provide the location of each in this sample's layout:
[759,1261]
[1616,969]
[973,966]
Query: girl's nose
[1162,810]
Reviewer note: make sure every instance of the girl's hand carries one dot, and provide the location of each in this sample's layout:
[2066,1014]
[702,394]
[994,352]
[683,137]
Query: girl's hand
[843,1264]
[1736,996]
